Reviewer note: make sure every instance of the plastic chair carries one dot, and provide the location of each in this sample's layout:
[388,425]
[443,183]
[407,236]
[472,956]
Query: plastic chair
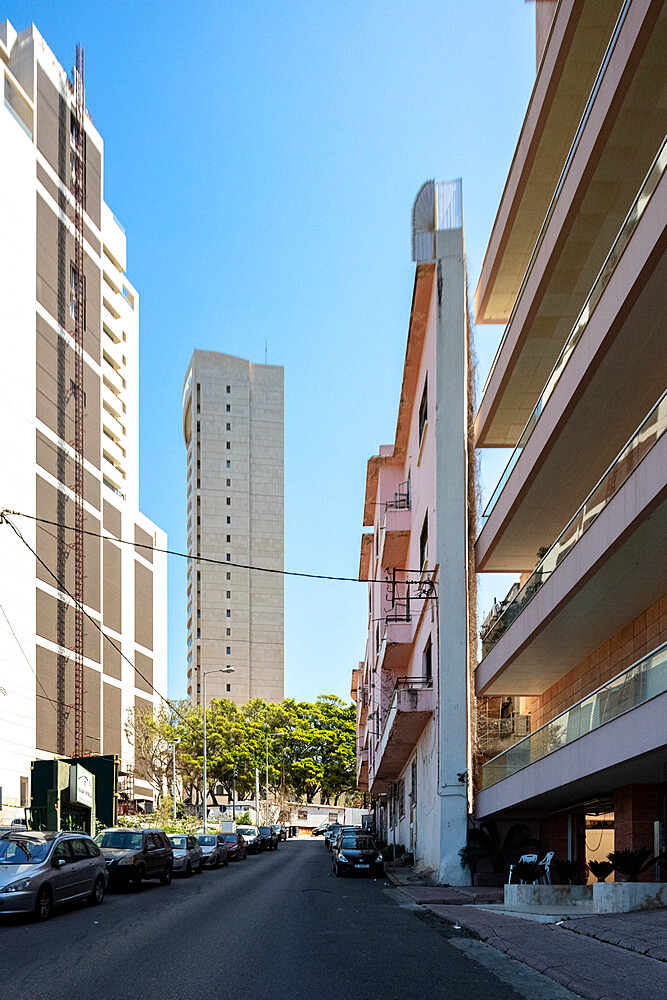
[524,857]
[546,863]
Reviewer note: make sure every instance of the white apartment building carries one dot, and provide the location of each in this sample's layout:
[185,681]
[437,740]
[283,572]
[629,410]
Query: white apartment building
[125,588]
[233,429]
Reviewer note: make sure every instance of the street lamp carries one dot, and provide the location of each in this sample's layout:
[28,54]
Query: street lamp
[204,675]
[177,739]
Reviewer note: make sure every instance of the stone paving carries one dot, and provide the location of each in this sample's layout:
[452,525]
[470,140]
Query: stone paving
[612,957]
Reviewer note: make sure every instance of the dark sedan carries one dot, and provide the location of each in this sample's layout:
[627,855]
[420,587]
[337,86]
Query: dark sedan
[236,846]
[357,852]
[135,855]
[269,838]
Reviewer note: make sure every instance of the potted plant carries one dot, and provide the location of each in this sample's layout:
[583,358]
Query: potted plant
[486,845]
[601,869]
[630,894]
[569,872]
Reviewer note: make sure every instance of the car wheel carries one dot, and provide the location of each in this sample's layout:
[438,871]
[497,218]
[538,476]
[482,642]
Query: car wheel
[188,870]
[201,867]
[43,903]
[226,862]
[165,878]
[97,895]
[338,872]
[137,878]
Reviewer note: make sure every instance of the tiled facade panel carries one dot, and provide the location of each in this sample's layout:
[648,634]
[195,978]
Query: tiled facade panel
[143,606]
[55,404]
[647,631]
[111,518]
[47,625]
[59,464]
[143,539]
[143,674]
[46,715]
[112,589]
[111,736]
[111,658]
[55,256]
[47,544]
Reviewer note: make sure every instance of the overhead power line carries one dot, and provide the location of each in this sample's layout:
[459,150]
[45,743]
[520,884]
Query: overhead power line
[218,562]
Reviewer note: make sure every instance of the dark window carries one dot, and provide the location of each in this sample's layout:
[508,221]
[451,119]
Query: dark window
[62,852]
[229,388]
[229,594]
[428,661]
[229,520]
[229,427]
[228,407]
[229,687]
[93,849]
[78,848]
[229,614]
[229,650]
[229,538]
[24,792]
[229,631]
[423,410]
[229,501]
[423,542]
[229,444]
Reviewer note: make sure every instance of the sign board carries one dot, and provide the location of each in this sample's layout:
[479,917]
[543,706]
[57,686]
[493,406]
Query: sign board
[81,786]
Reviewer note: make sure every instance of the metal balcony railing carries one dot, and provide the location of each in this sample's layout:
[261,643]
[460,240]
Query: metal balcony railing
[645,437]
[413,683]
[645,679]
[630,223]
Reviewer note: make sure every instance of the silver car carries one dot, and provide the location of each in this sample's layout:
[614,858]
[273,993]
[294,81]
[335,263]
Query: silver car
[188,857]
[214,849]
[41,870]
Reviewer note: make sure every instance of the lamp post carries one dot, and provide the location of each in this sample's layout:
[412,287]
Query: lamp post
[204,674]
[177,739]
[234,795]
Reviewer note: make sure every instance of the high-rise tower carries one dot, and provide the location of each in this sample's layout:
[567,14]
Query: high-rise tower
[233,429]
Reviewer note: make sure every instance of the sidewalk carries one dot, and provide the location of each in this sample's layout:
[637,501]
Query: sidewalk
[597,957]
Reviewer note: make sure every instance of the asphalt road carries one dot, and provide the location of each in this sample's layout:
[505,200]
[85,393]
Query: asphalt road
[276,926]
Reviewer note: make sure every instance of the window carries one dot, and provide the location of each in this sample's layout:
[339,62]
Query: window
[229,388]
[229,520]
[228,612]
[229,687]
[229,464]
[229,482]
[78,849]
[229,576]
[229,444]
[229,427]
[229,538]
[229,631]
[428,662]
[72,294]
[229,594]
[423,543]
[228,407]
[401,799]
[423,410]
[24,793]
[229,650]
[229,557]
[229,501]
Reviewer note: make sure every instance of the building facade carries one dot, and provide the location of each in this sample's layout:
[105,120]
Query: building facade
[124,587]
[573,673]
[412,688]
[233,428]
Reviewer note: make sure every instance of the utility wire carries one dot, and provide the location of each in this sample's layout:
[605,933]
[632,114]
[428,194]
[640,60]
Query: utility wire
[63,588]
[210,560]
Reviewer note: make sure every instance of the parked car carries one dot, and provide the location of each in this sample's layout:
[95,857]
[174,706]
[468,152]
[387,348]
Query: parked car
[330,835]
[280,830]
[320,830]
[357,852]
[253,840]
[41,870]
[342,832]
[214,849]
[236,846]
[135,855]
[188,857]
[269,838]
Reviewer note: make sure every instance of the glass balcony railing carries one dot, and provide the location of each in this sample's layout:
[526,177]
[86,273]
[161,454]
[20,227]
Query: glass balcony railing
[641,442]
[636,685]
[627,229]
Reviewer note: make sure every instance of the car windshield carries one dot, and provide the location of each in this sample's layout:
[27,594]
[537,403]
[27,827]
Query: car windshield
[357,844]
[265,831]
[229,837]
[248,831]
[334,828]
[178,842]
[206,840]
[124,840]
[22,851]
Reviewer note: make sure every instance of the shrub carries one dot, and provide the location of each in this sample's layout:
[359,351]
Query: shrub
[569,872]
[528,871]
[631,864]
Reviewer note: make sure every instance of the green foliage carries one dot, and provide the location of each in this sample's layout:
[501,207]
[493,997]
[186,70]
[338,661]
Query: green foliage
[244,819]
[631,864]
[527,871]
[601,869]
[484,843]
[311,747]
[391,852]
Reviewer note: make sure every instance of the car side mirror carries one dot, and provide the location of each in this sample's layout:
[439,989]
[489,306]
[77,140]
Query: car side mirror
[59,862]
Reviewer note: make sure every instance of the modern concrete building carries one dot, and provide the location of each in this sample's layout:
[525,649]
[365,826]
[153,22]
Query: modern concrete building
[574,664]
[233,429]
[412,688]
[124,587]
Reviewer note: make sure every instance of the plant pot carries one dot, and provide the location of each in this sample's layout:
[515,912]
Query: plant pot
[548,895]
[624,897]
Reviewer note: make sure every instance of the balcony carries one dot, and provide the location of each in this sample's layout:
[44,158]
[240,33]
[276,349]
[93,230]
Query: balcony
[620,325]
[606,566]
[112,379]
[621,128]
[395,537]
[412,705]
[362,770]
[612,737]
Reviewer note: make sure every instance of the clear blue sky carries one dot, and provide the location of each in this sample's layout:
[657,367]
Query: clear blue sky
[263,157]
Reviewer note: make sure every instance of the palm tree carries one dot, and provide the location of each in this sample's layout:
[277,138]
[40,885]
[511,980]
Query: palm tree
[484,843]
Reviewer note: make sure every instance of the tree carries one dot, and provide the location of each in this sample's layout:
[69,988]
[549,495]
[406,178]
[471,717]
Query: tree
[151,735]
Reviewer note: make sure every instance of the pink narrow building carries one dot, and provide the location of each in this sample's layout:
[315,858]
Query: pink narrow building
[411,689]
[572,683]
